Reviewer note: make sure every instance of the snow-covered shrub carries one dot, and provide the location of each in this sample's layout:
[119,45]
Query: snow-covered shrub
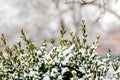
[70,60]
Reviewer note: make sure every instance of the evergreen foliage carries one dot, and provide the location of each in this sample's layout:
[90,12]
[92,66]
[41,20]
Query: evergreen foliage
[70,60]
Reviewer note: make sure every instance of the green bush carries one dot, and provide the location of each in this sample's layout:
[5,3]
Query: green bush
[70,60]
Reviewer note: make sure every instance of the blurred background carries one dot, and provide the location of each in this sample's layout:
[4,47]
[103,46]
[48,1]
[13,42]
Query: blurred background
[42,20]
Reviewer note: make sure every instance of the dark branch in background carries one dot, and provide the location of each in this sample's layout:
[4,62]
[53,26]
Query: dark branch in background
[108,9]
[95,3]
[84,2]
